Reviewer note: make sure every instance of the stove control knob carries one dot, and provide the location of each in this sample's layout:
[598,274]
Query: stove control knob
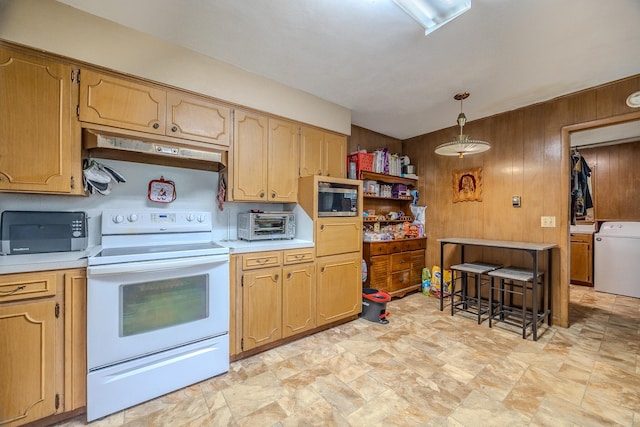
[133,218]
[118,219]
[201,218]
[190,217]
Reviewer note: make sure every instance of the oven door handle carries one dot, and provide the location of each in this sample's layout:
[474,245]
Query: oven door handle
[157,265]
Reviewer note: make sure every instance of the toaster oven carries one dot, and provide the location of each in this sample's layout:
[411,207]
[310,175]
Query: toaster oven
[266,225]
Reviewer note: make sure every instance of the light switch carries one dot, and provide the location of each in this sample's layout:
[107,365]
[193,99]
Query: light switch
[515,201]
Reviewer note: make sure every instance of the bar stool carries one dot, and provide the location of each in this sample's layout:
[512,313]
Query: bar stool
[467,303]
[514,282]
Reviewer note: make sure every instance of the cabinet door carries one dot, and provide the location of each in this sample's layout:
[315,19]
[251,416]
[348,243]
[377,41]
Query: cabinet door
[261,307]
[379,272]
[109,100]
[338,235]
[75,339]
[298,299]
[27,340]
[339,289]
[311,151]
[36,138]
[198,119]
[283,161]
[250,157]
[581,264]
[417,264]
[335,155]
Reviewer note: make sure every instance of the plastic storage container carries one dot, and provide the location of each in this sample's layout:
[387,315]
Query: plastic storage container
[374,305]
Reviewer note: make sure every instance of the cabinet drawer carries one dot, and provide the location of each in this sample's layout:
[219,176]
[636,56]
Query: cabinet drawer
[261,259]
[412,245]
[297,256]
[401,261]
[400,280]
[378,248]
[28,285]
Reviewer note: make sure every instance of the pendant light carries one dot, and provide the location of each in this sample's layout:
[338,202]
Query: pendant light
[462,144]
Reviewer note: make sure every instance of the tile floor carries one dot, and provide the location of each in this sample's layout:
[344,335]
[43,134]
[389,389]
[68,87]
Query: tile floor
[426,368]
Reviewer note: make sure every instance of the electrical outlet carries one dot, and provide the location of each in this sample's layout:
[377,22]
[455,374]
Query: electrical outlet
[548,221]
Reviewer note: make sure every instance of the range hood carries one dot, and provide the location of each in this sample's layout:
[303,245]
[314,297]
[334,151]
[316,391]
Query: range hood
[134,147]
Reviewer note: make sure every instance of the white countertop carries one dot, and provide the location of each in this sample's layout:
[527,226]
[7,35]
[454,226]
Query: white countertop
[47,261]
[62,260]
[242,246]
[582,228]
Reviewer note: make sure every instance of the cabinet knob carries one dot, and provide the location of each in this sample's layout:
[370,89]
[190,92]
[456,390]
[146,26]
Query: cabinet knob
[273,195]
[276,277]
[174,128]
[288,275]
[322,227]
[156,125]
[262,195]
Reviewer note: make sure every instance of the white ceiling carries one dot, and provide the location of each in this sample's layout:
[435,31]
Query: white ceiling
[369,56]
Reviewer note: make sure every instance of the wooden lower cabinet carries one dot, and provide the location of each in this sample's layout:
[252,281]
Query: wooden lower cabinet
[28,354]
[395,266]
[299,299]
[582,259]
[339,287]
[274,297]
[261,307]
[42,345]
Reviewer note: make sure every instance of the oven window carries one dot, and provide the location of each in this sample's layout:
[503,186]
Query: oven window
[159,304]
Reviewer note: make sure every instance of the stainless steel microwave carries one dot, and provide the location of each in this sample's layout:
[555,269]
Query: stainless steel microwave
[266,225]
[337,199]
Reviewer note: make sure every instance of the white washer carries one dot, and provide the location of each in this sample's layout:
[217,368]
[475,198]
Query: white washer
[616,254]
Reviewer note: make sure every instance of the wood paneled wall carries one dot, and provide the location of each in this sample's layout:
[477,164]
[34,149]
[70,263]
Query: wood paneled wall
[362,138]
[529,158]
[615,181]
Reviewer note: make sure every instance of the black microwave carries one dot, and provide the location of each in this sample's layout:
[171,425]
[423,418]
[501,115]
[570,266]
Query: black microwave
[30,232]
[337,199]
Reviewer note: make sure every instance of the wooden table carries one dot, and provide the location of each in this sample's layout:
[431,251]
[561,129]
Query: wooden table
[533,249]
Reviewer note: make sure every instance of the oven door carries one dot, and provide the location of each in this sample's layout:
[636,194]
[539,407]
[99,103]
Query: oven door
[140,308]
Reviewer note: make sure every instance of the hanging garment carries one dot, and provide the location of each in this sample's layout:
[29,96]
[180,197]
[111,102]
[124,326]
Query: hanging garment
[580,195]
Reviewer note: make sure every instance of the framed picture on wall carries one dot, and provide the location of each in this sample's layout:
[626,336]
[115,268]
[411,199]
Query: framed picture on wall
[467,185]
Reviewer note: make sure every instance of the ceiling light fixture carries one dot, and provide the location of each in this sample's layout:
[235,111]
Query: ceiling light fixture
[433,14]
[462,144]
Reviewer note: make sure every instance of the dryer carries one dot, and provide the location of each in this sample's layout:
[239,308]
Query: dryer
[616,253]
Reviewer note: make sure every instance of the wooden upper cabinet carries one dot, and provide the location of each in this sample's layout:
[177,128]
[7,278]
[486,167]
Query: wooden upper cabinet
[112,101]
[265,159]
[335,155]
[198,119]
[322,153]
[250,157]
[282,176]
[311,151]
[38,152]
